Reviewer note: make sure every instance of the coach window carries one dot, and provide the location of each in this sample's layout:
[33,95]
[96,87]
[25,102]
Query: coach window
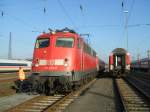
[64,42]
[42,42]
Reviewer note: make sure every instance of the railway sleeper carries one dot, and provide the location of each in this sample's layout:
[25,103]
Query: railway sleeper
[138,105]
[136,101]
[139,109]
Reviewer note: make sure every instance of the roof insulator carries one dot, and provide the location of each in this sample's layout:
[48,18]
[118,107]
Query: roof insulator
[66,30]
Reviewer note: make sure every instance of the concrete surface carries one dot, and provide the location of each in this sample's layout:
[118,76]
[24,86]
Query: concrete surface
[100,97]
[13,100]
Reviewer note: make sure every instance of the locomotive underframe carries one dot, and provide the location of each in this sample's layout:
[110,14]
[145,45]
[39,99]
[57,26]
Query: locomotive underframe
[59,82]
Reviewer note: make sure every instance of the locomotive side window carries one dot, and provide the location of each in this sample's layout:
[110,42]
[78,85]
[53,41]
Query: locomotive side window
[79,43]
[64,42]
[94,53]
[42,42]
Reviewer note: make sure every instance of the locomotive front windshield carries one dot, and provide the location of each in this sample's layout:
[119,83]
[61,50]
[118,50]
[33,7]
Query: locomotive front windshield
[42,42]
[64,42]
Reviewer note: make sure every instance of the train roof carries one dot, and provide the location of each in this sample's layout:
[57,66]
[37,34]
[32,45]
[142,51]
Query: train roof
[143,59]
[13,61]
[119,51]
[57,32]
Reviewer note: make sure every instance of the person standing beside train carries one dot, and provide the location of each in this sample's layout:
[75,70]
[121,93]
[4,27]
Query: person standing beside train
[20,82]
[21,74]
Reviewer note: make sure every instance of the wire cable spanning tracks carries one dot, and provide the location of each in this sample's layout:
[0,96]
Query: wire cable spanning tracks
[133,100]
[49,103]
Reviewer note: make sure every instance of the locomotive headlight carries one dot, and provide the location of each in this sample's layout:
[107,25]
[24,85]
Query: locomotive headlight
[65,64]
[128,67]
[36,65]
[111,67]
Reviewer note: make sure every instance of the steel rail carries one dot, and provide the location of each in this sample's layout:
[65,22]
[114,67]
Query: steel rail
[63,103]
[131,98]
[140,85]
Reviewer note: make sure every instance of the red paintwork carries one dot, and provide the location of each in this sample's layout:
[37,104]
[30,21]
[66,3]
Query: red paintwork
[128,59]
[111,62]
[77,59]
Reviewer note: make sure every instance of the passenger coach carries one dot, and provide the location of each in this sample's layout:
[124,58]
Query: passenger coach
[119,62]
[141,65]
[7,65]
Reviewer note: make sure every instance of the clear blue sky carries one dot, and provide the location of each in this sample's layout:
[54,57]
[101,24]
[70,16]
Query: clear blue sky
[103,19]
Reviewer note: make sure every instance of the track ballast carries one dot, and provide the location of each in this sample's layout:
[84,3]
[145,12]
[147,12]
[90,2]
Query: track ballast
[131,98]
[49,103]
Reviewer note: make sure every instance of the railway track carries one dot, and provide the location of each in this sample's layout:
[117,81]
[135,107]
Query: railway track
[132,100]
[49,103]
[141,83]
[140,75]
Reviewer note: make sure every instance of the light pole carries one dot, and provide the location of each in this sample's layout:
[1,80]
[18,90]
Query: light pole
[126,27]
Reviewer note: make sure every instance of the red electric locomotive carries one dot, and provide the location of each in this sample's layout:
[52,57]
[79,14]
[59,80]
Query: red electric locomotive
[119,62]
[62,60]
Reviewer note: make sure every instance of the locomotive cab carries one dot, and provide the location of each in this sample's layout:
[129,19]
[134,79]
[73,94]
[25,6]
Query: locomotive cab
[48,57]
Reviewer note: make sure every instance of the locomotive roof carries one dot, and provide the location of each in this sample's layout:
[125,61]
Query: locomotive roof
[65,31]
[119,51]
[142,60]
[57,33]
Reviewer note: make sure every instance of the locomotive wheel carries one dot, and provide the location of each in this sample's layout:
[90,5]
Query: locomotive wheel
[40,88]
[48,88]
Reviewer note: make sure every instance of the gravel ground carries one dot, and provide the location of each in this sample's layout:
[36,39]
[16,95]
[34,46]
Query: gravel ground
[13,100]
[98,98]
[1,79]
